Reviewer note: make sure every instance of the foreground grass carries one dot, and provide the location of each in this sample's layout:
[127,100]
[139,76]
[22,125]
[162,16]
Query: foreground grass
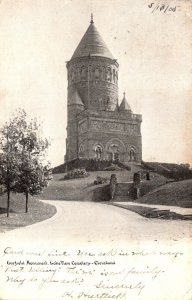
[83,189]
[37,212]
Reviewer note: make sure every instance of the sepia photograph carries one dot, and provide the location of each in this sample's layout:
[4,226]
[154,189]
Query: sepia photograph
[95,149]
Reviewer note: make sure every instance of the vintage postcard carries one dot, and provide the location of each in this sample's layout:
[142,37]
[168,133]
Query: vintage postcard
[95,149]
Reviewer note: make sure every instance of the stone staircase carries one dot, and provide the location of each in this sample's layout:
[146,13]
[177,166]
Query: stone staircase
[121,194]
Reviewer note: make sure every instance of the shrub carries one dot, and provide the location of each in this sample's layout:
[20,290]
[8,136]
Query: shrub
[122,165]
[113,168]
[100,180]
[91,164]
[113,185]
[87,164]
[170,170]
[76,173]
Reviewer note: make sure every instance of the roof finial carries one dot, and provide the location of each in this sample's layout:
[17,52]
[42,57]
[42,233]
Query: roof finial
[124,95]
[92,18]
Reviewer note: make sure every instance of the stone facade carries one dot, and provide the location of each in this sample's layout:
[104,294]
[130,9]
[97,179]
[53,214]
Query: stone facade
[97,126]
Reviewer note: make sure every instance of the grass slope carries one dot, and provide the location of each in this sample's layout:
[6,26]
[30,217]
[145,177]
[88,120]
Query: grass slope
[174,194]
[80,189]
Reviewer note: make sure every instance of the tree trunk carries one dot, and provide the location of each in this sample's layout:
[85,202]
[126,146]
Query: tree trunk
[27,198]
[8,202]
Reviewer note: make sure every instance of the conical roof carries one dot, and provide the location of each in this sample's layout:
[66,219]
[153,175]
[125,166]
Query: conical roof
[92,44]
[124,104]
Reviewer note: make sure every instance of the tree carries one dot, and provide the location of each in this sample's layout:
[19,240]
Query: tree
[33,176]
[9,136]
[31,171]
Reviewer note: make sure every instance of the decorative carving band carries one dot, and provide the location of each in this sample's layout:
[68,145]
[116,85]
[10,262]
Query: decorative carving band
[114,126]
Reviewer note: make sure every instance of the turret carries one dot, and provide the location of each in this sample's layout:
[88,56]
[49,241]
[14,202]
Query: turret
[124,106]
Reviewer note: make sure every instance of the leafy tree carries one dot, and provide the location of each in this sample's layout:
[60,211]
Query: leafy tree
[31,169]
[9,136]
[33,176]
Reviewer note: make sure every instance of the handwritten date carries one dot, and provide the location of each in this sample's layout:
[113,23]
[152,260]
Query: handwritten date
[165,8]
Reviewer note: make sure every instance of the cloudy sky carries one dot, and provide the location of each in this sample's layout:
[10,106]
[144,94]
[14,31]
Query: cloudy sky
[153,48]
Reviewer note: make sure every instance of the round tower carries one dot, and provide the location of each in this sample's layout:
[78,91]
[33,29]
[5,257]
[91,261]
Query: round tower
[92,83]
[98,127]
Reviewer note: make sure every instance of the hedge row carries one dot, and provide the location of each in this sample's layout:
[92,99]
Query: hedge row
[88,165]
[170,170]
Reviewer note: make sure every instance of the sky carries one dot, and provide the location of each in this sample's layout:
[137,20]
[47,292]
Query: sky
[153,49]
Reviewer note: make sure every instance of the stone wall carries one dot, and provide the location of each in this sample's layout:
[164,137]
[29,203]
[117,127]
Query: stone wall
[109,140]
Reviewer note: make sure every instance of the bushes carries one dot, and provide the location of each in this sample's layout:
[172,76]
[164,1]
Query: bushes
[76,173]
[178,174]
[113,167]
[170,170]
[89,165]
[123,165]
[100,180]
[59,169]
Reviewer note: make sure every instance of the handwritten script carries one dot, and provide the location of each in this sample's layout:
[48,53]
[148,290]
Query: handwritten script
[81,274]
[162,7]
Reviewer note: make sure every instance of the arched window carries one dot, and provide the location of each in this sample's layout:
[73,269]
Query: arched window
[132,155]
[83,73]
[114,76]
[97,73]
[78,74]
[98,152]
[114,151]
[81,149]
[103,77]
[72,75]
[109,74]
[90,71]
[107,103]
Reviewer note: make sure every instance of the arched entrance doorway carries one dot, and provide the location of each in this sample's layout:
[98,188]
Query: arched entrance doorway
[98,152]
[114,152]
[115,149]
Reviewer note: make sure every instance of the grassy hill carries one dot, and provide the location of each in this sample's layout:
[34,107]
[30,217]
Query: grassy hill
[80,189]
[83,189]
[174,193]
[156,191]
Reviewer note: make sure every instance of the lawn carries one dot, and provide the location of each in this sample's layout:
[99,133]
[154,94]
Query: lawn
[83,189]
[80,189]
[37,212]
[177,193]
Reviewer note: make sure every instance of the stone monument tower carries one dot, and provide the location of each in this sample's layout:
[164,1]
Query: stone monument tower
[98,127]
